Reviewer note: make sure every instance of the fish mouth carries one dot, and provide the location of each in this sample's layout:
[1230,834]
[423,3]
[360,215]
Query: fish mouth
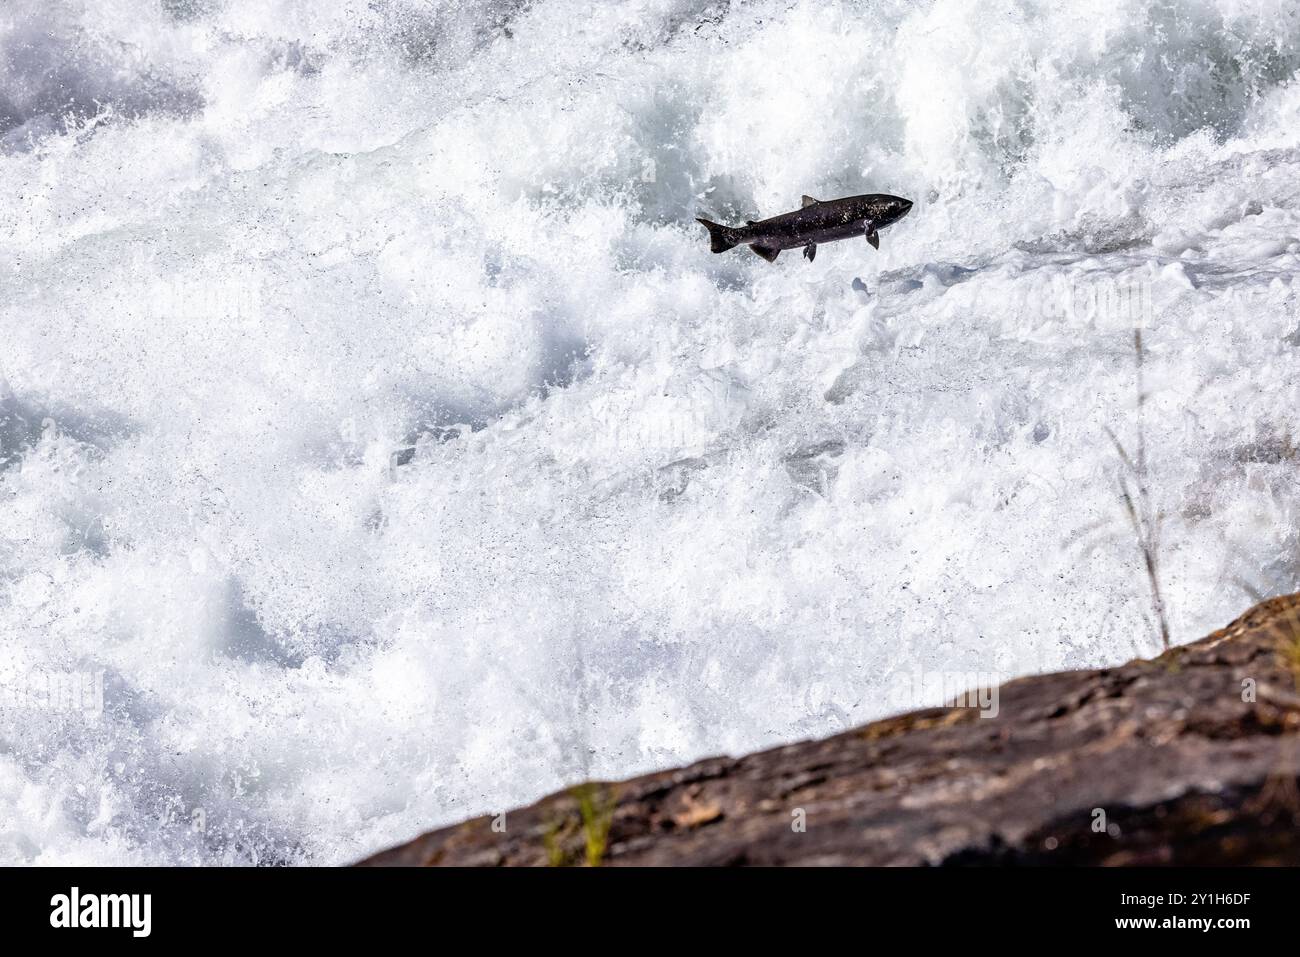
[895,208]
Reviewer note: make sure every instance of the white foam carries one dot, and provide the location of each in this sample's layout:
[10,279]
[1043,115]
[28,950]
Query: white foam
[382,429]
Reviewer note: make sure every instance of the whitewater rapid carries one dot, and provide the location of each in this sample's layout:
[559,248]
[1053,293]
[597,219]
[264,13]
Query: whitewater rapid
[380,444]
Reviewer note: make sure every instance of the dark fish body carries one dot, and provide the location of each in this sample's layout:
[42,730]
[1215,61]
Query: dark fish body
[815,222]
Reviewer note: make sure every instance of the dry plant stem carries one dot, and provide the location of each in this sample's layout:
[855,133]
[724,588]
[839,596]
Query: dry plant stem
[1143,518]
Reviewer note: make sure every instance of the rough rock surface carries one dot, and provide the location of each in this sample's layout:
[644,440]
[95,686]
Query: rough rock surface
[1189,758]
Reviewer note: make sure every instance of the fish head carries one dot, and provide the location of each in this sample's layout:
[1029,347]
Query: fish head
[890,209]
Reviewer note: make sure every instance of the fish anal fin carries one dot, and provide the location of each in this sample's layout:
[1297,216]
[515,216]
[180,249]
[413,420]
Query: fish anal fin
[810,252]
[808,201]
[767,252]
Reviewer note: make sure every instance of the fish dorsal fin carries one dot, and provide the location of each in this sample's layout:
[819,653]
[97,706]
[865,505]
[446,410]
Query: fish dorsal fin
[750,222]
[809,201]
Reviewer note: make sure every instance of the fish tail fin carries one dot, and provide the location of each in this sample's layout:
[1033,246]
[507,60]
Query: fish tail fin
[721,238]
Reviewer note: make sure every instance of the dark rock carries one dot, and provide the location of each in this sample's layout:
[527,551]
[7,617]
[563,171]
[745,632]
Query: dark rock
[1190,758]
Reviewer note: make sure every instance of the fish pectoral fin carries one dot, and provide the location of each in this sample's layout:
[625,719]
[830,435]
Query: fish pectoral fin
[873,237]
[810,252]
[767,252]
[808,201]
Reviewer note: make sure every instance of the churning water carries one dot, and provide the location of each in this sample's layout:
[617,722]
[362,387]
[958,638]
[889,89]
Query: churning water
[380,444]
